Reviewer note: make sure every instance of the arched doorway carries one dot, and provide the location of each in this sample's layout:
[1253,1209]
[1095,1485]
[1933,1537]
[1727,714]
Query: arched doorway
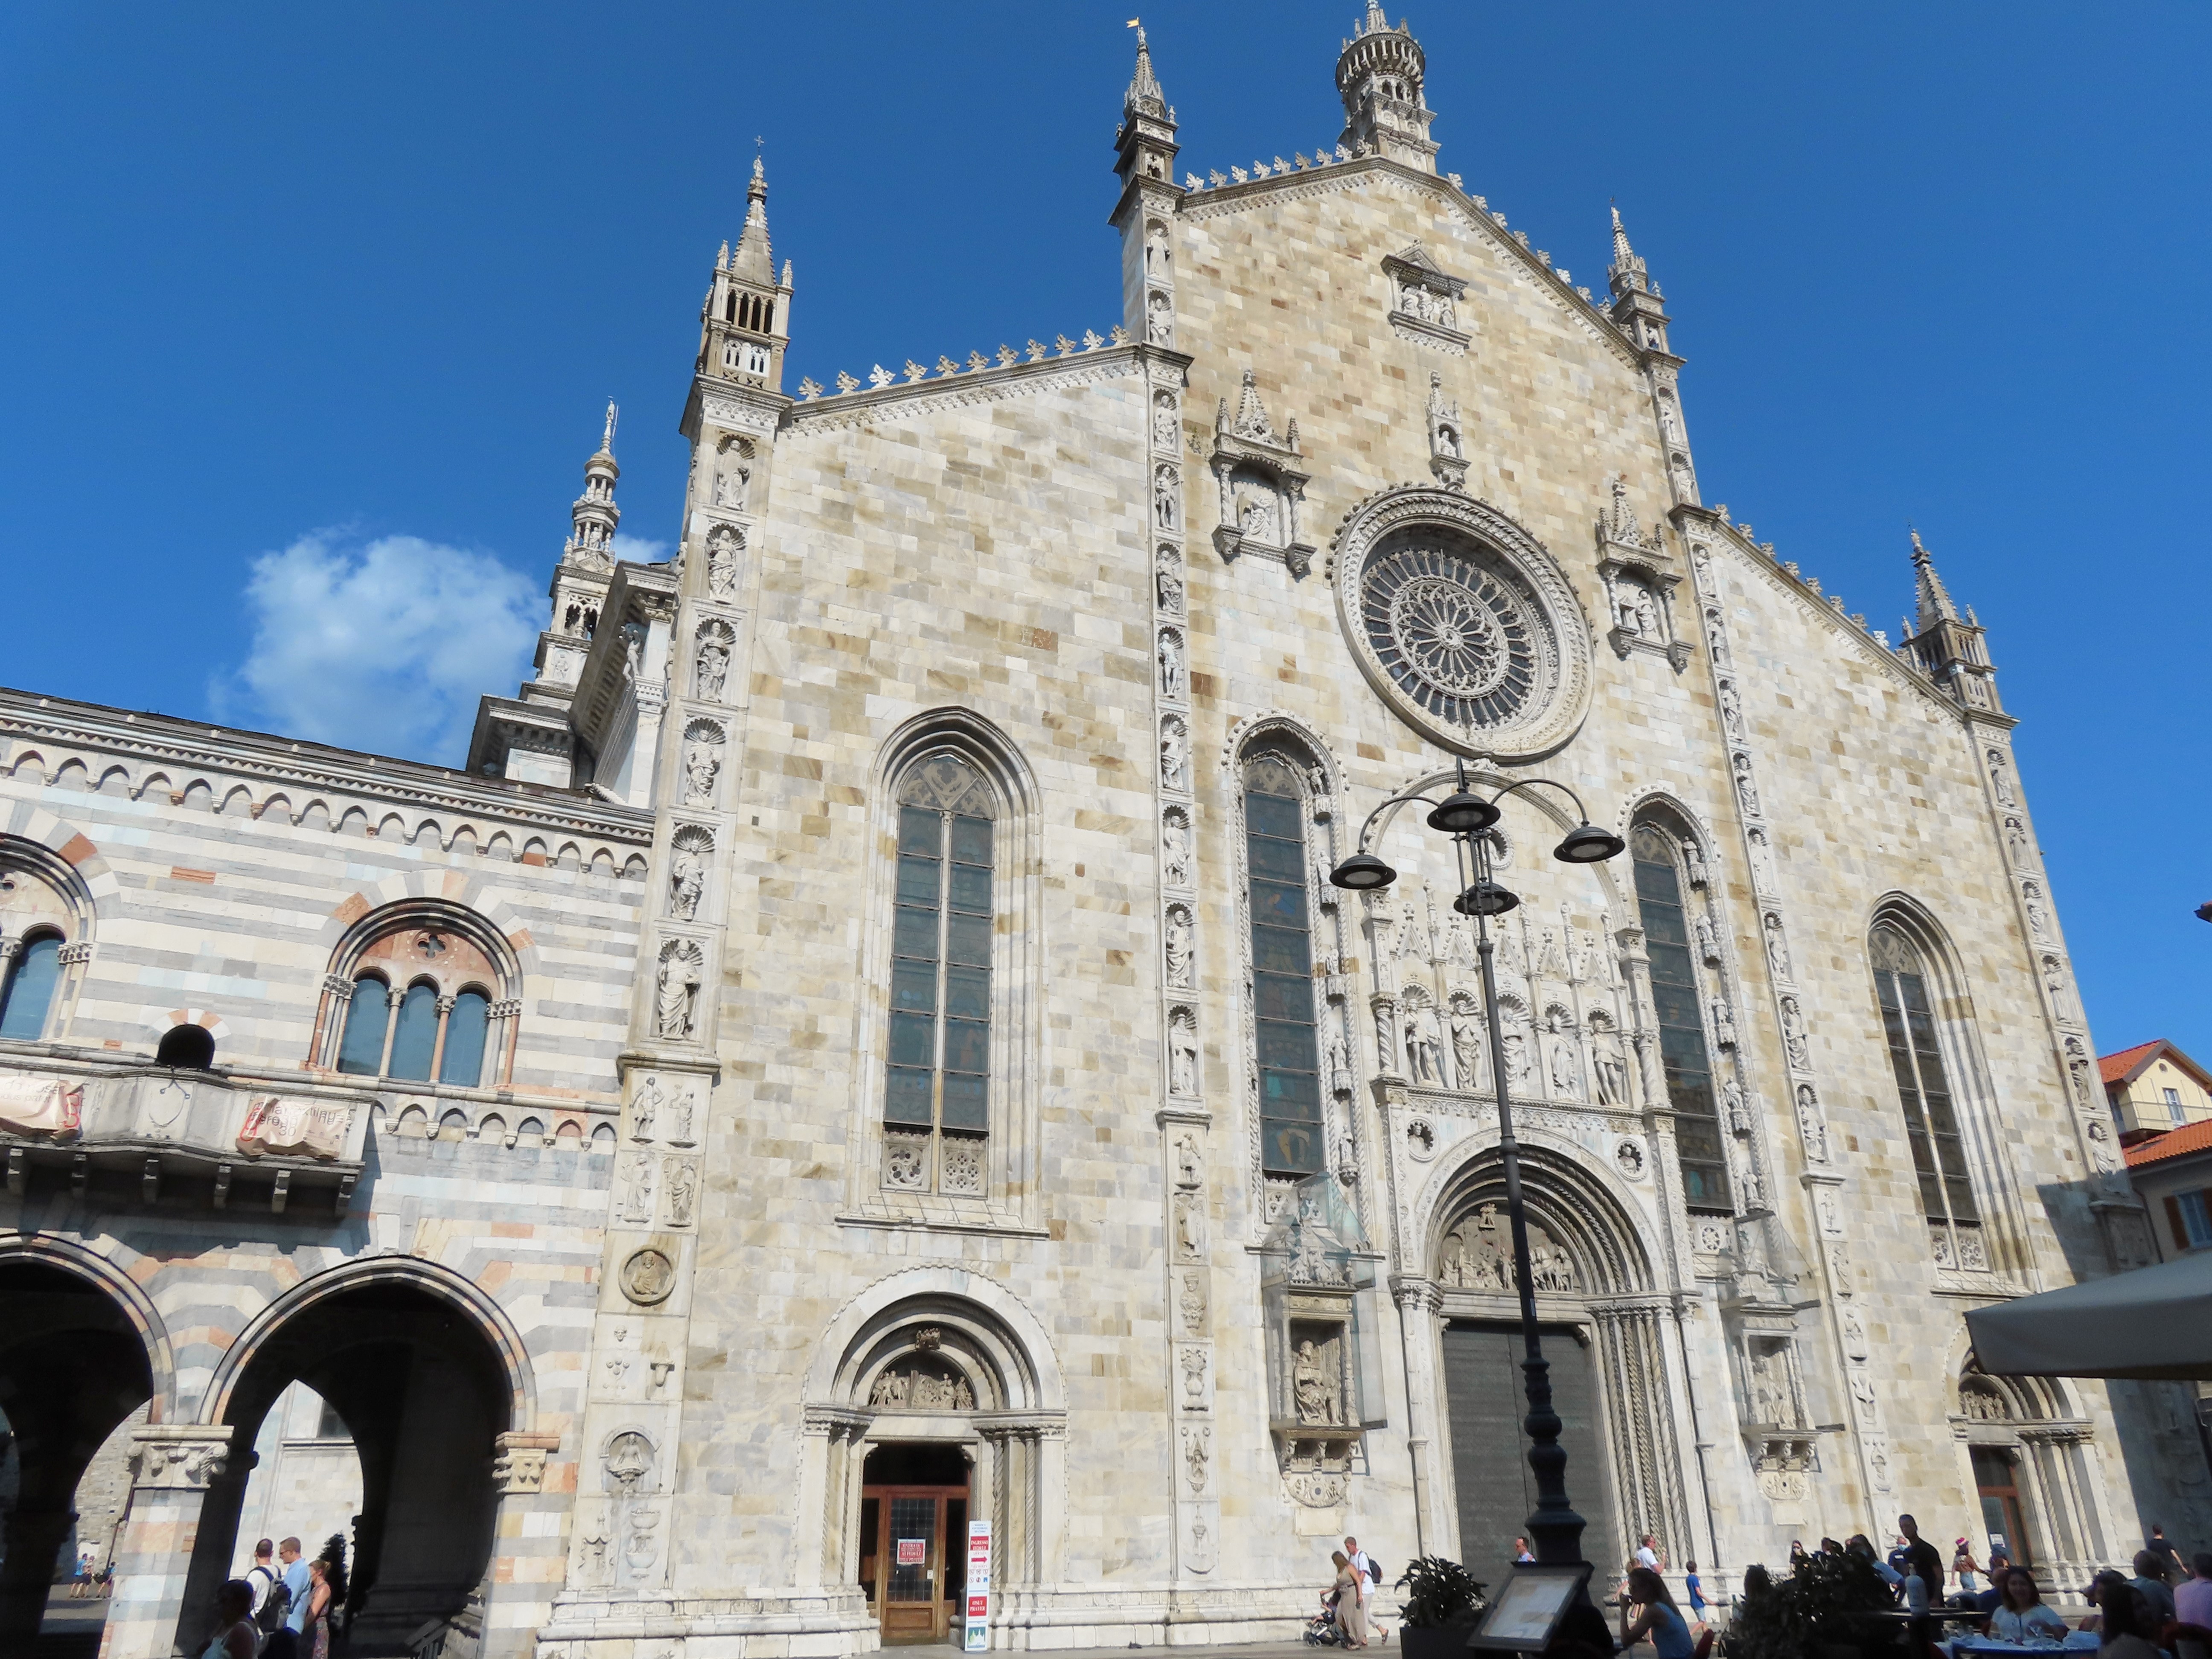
[422,1391]
[1603,1338]
[930,1412]
[73,1364]
[2029,1458]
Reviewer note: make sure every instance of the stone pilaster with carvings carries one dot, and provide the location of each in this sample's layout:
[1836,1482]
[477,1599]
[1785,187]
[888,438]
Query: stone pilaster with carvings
[1826,1180]
[1144,153]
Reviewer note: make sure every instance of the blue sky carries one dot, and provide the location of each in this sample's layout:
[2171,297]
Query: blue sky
[311,313]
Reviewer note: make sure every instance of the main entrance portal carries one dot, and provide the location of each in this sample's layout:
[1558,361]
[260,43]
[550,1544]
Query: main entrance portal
[1483,1387]
[914,1538]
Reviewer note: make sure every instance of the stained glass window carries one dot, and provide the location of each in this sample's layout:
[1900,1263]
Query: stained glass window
[1683,1055]
[1931,1121]
[1291,1130]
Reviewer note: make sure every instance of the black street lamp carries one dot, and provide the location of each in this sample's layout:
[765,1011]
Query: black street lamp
[1467,817]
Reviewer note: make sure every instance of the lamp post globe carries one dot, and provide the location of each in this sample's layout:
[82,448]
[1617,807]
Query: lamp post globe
[1363,872]
[1486,898]
[1463,814]
[1588,844]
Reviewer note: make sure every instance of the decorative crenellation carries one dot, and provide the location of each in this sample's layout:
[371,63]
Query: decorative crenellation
[880,378]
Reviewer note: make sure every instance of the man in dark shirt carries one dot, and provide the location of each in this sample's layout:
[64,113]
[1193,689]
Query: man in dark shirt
[1922,1559]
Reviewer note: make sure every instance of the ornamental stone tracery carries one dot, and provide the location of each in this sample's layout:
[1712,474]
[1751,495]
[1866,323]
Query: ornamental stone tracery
[1463,623]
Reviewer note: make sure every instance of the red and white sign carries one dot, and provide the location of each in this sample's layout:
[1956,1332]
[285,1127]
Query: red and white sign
[978,1630]
[41,1106]
[913,1552]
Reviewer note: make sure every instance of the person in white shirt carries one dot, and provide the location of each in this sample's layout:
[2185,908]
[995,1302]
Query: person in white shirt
[1647,1552]
[261,1577]
[2021,1617]
[1362,1562]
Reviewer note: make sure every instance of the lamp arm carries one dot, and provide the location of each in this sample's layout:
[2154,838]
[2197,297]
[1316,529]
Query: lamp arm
[1394,801]
[1582,812]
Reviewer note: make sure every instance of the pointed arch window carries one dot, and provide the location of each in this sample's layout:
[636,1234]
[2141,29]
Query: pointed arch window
[1923,1086]
[1679,1007]
[937,1084]
[1291,1138]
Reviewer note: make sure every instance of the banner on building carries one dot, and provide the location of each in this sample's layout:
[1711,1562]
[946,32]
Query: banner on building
[41,1106]
[293,1128]
[976,1592]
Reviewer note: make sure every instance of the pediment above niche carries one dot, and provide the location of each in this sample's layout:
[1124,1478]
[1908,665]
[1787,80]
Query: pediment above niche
[1262,483]
[1424,300]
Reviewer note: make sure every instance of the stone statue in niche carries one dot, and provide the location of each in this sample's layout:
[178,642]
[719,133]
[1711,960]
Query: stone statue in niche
[1170,584]
[1731,709]
[1192,1301]
[1709,944]
[1424,1059]
[1255,514]
[1316,1392]
[2001,779]
[1188,1169]
[1612,1071]
[626,1468]
[633,1189]
[681,1184]
[1793,1036]
[1716,638]
[730,483]
[1762,859]
[702,762]
[687,880]
[1467,1045]
[1178,940]
[1747,791]
[1732,1110]
[1777,946]
[681,1106]
[1566,1075]
[711,666]
[1159,321]
[1174,757]
[1190,1226]
[1182,1052]
[1751,1192]
[1724,1024]
[1516,1061]
[1167,489]
[1854,1335]
[1175,846]
[2039,918]
[676,990]
[633,643]
[1171,666]
[724,544]
[2016,841]
[1164,420]
[1156,259]
[1811,1124]
[645,1107]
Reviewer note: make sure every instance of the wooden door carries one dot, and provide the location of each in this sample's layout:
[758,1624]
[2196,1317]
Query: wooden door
[911,1564]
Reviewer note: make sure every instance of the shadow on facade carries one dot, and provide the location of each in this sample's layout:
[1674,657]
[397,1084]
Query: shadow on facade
[72,1367]
[422,1392]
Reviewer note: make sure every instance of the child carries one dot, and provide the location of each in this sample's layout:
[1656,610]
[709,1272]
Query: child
[1697,1592]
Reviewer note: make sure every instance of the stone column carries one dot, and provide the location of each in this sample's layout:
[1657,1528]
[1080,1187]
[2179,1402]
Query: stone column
[1420,1302]
[828,1457]
[172,1469]
[1642,1035]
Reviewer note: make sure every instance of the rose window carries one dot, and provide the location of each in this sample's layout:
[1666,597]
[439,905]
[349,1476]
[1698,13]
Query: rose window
[1459,635]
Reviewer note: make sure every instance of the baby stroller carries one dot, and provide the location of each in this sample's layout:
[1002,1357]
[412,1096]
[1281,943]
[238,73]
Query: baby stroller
[1322,1630]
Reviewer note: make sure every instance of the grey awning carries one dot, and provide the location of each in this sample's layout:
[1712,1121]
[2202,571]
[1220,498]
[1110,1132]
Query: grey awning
[2152,1323]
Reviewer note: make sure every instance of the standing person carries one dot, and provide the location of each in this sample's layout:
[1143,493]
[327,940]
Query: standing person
[234,1637]
[284,1641]
[2124,1624]
[2149,1583]
[1647,1553]
[1695,1590]
[1521,1556]
[2193,1601]
[2159,1545]
[315,1633]
[81,1579]
[261,1578]
[1658,1619]
[1351,1593]
[1924,1557]
[1362,1561]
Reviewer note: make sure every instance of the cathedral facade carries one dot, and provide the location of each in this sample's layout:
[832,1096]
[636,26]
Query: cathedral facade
[868,1045]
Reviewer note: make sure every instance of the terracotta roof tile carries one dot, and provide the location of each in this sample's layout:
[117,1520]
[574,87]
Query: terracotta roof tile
[2174,1143]
[2114,1069]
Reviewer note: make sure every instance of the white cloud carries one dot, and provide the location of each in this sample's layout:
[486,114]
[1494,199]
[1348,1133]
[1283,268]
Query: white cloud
[384,646]
[637,549]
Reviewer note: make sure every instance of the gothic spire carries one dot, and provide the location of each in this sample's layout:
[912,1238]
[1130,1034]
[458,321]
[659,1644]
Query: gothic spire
[607,440]
[1627,270]
[1379,75]
[1935,599]
[753,262]
[1144,95]
[594,514]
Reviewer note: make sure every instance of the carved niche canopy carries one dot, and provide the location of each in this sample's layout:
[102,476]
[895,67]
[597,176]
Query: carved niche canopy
[1424,300]
[1640,580]
[1261,486]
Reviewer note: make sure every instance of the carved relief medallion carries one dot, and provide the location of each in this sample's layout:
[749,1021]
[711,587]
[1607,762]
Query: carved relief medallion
[648,1277]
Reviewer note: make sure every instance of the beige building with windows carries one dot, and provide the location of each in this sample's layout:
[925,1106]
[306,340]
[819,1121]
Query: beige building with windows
[868,1045]
[2154,1087]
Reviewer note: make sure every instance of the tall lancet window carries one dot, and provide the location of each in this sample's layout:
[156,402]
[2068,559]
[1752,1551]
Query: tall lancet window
[1679,1009]
[937,1093]
[1931,1121]
[1291,1138]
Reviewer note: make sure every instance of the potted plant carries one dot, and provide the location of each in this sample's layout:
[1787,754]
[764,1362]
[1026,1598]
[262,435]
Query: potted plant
[1440,1605]
[1818,1612]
